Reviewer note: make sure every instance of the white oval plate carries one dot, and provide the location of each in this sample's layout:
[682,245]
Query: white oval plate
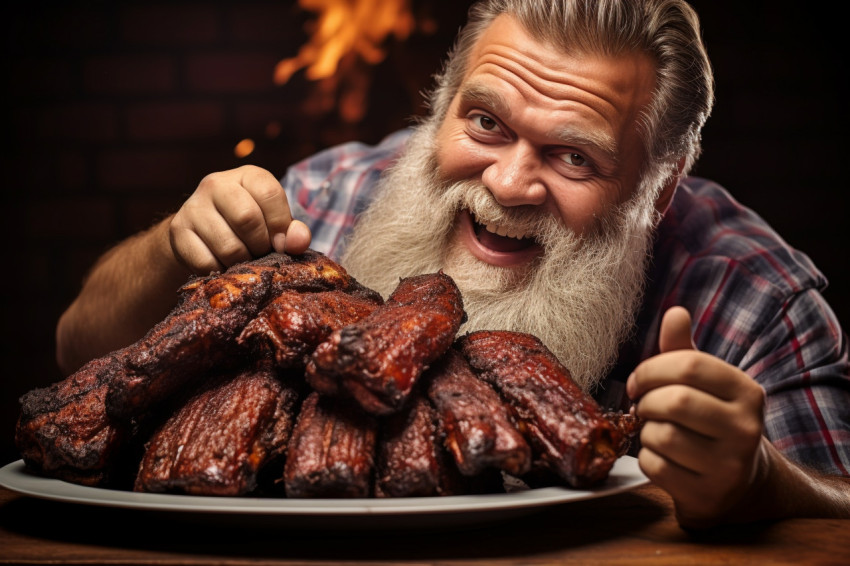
[624,476]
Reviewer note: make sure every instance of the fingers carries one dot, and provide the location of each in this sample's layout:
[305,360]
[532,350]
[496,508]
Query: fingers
[675,333]
[705,490]
[695,369]
[238,231]
[192,252]
[695,411]
[682,447]
[297,238]
[267,194]
[233,216]
[695,505]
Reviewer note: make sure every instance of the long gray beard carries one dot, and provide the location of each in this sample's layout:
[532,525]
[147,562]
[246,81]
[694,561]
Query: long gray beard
[580,297]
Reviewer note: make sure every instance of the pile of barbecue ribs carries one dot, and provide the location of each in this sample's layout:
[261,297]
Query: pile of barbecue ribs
[285,377]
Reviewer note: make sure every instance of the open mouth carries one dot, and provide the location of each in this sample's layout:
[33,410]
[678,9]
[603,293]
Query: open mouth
[497,245]
[501,238]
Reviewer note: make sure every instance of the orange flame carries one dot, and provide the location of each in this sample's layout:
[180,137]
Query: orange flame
[347,32]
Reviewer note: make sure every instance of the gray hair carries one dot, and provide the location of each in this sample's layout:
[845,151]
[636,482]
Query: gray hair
[666,30]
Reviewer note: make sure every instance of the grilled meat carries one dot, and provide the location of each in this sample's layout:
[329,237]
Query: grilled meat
[200,333]
[63,430]
[395,411]
[629,425]
[411,459]
[218,442]
[294,323]
[332,450]
[378,359]
[478,428]
[564,425]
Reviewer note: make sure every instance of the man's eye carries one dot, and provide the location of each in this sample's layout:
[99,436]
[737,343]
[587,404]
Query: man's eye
[485,122]
[574,159]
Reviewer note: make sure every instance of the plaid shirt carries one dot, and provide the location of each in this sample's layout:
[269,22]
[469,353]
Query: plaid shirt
[756,302]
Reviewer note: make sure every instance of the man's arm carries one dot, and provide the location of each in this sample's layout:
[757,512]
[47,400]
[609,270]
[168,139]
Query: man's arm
[132,287]
[703,440]
[231,217]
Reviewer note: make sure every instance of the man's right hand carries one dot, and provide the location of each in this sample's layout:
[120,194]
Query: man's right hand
[233,216]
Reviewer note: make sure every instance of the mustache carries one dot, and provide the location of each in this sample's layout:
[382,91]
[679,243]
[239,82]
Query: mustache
[475,197]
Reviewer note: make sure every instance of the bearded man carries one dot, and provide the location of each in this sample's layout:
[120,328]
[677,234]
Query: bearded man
[549,180]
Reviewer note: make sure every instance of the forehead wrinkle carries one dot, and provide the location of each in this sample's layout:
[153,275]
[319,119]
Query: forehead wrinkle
[474,92]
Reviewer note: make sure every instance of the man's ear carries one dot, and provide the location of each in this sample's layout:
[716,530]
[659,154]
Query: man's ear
[665,197]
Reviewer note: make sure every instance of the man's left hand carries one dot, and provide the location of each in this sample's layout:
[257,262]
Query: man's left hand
[704,422]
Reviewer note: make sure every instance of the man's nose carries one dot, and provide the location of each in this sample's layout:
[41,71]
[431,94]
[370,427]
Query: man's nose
[514,176]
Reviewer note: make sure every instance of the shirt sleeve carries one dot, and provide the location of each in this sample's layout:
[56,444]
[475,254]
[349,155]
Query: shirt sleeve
[329,189]
[801,360]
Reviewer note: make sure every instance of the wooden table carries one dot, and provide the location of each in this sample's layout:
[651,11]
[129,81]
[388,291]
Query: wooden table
[632,528]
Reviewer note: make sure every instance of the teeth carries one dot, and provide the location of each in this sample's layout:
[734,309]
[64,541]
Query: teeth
[503,231]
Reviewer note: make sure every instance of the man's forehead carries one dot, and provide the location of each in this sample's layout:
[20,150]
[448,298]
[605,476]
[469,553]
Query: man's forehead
[626,68]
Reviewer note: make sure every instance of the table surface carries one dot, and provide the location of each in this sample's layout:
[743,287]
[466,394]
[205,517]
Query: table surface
[633,528]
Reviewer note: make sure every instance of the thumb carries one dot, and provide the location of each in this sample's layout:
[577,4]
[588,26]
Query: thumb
[675,331]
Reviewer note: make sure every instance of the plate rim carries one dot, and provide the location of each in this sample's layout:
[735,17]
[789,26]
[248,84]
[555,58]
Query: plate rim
[624,476]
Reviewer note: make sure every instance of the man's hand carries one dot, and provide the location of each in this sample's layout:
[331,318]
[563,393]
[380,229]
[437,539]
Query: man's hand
[702,441]
[233,216]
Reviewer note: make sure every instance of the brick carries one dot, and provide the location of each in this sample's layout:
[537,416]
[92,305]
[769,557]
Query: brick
[148,171]
[130,74]
[61,27]
[275,23]
[53,219]
[40,76]
[169,24]
[175,121]
[228,72]
[72,121]
[252,118]
[53,170]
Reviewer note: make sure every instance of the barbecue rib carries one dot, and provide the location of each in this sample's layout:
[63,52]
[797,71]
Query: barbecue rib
[478,428]
[378,359]
[411,461]
[564,425]
[218,442]
[63,430]
[200,333]
[293,324]
[332,450]
[629,425]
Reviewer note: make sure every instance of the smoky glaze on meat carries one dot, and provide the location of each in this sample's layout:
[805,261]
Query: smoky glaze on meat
[378,359]
[200,333]
[411,459]
[63,430]
[478,428]
[294,323]
[564,424]
[217,443]
[285,377]
[332,450]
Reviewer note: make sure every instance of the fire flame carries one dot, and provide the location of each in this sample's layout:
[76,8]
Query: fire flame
[347,34]
[347,40]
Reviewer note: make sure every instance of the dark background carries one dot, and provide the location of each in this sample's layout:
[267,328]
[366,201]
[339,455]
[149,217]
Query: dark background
[115,110]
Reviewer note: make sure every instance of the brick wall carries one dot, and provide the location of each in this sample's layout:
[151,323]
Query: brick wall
[115,111]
